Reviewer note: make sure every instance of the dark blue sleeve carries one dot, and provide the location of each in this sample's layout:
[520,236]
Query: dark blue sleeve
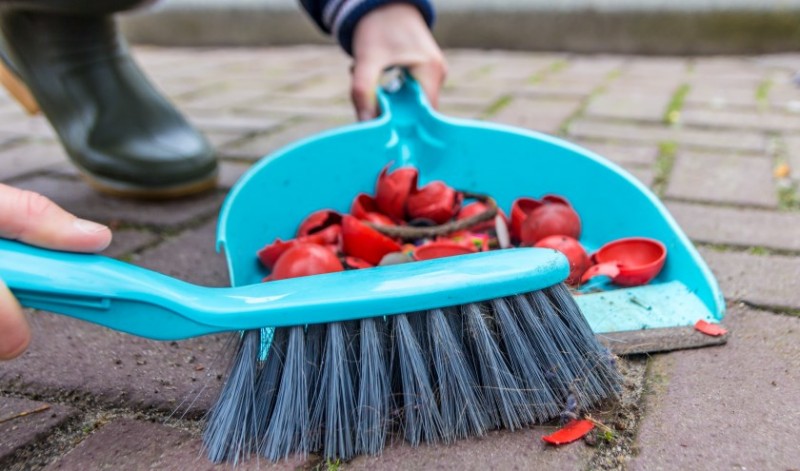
[340,17]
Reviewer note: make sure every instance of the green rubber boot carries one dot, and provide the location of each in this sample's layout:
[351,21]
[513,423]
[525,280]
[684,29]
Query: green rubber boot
[124,137]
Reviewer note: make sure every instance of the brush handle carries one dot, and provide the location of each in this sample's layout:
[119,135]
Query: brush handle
[138,301]
[99,289]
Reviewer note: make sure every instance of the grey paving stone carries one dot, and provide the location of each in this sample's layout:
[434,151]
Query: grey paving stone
[719,178]
[133,445]
[503,450]
[630,106]
[738,226]
[25,125]
[626,155]
[705,413]
[77,197]
[258,146]
[713,94]
[18,432]
[190,256]
[742,141]
[761,121]
[560,87]
[126,241]
[71,358]
[230,172]
[761,280]
[30,156]
[540,115]
[793,157]
[220,120]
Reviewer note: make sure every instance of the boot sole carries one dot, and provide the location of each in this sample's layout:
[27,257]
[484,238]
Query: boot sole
[127,190]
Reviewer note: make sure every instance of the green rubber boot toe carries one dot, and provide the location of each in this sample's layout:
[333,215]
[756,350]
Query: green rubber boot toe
[121,133]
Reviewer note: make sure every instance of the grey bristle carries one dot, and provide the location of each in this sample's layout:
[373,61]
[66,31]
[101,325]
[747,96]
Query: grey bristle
[232,429]
[556,370]
[523,361]
[344,389]
[461,404]
[583,384]
[288,424]
[601,364]
[334,407]
[501,388]
[374,394]
[421,418]
[315,347]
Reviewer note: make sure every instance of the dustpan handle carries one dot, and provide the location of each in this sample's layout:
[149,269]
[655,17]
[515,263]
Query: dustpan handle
[401,97]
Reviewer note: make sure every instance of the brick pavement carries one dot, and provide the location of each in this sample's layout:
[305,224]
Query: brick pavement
[707,133]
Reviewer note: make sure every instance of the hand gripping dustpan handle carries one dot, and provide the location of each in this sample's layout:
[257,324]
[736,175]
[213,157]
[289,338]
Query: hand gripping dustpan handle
[131,299]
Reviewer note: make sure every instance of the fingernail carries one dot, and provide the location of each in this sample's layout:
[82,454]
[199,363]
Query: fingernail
[364,115]
[89,227]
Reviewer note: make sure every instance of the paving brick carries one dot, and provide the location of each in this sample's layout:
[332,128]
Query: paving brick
[190,256]
[561,87]
[733,179]
[225,98]
[230,172]
[29,156]
[133,445]
[793,157]
[519,450]
[15,433]
[717,96]
[630,106]
[742,141]
[657,66]
[25,125]
[762,280]
[258,146]
[626,155]
[702,413]
[540,115]
[738,226]
[126,241]
[81,200]
[761,121]
[212,120]
[72,358]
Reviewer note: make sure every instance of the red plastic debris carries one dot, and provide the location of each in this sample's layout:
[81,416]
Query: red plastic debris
[475,208]
[574,430]
[393,189]
[520,210]
[305,259]
[553,217]
[441,249]
[364,242]
[708,328]
[573,250]
[363,204]
[435,201]
[318,221]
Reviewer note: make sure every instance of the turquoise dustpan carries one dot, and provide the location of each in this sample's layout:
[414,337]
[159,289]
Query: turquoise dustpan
[327,171]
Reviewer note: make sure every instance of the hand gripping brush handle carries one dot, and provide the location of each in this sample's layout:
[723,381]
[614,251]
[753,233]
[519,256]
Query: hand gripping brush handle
[142,302]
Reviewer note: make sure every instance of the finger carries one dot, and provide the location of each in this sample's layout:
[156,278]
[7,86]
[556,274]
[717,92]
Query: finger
[366,75]
[15,335]
[34,219]
[430,76]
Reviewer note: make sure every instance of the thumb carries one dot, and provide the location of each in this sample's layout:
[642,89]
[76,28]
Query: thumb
[34,219]
[14,331]
[430,76]
[366,75]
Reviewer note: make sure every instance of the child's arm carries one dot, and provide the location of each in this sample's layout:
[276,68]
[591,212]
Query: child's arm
[379,34]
